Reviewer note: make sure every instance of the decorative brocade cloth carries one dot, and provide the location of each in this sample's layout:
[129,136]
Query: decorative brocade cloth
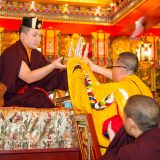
[31,128]
[81,100]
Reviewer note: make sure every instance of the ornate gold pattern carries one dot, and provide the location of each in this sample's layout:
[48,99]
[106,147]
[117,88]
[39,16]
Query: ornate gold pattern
[74,13]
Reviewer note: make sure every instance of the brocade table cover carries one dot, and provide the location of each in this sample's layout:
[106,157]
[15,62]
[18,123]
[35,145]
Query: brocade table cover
[30,128]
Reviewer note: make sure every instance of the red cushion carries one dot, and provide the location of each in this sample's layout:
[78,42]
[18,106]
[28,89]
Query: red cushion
[117,123]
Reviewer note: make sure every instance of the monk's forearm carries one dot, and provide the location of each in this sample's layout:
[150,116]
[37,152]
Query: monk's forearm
[103,71]
[40,73]
[32,76]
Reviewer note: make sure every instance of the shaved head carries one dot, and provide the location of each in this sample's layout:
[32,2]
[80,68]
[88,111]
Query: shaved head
[144,110]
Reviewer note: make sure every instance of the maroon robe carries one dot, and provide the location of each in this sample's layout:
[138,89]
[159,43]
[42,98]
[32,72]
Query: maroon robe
[144,147]
[120,139]
[20,93]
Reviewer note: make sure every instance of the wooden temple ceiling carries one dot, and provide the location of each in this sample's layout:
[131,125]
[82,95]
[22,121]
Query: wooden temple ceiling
[118,17]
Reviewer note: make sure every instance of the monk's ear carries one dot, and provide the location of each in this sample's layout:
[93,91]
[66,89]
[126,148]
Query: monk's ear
[131,122]
[22,35]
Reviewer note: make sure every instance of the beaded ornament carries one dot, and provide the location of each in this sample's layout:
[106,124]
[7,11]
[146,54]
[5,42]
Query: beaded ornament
[93,102]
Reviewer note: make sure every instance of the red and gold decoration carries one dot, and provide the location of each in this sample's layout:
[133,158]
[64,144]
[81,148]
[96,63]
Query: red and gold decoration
[1,37]
[100,49]
[51,43]
[65,41]
[7,38]
[146,50]
[120,44]
[108,13]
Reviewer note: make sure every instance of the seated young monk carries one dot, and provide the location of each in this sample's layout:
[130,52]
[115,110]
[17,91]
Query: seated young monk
[104,101]
[26,73]
[142,122]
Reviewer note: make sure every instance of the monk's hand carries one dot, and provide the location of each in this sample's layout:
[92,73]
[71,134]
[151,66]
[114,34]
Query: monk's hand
[89,62]
[110,131]
[58,64]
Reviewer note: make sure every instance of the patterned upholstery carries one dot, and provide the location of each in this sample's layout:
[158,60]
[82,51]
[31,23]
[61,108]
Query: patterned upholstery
[30,128]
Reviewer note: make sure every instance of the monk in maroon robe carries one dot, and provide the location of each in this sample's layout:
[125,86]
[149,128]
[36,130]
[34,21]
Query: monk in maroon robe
[141,121]
[26,73]
[145,147]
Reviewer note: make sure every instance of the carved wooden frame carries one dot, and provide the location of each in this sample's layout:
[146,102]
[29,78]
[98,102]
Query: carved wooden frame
[88,141]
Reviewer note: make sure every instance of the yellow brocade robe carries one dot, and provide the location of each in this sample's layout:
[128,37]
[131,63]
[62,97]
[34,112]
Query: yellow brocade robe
[131,85]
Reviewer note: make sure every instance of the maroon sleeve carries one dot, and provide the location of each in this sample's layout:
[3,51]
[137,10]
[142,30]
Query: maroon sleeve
[121,139]
[124,154]
[38,60]
[10,66]
[55,80]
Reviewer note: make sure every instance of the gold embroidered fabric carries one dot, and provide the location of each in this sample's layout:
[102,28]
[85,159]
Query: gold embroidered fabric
[30,128]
